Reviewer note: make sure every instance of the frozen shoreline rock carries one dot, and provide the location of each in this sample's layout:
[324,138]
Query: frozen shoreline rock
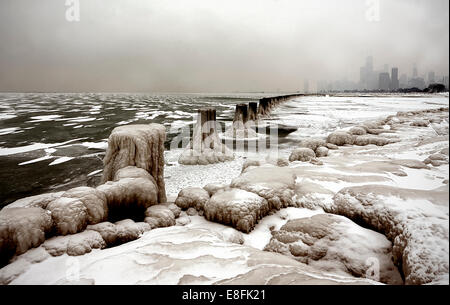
[275,184]
[321,152]
[312,143]
[22,229]
[236,207]
[38,201]
[336,245]
[193,197]
[302,154]
[415,221]
[340,138]
[69,215]
[137,145]
[93,200]
[159,216]
[129,197]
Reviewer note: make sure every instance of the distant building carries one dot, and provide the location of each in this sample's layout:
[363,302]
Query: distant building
[384,81]
[395,83]
[368,78]
[431,78]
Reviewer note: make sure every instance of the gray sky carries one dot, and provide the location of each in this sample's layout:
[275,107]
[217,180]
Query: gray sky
[213,46]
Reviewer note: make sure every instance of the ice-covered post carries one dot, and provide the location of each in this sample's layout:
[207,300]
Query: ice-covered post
[204,130]
[253,111]
[137,145]
[205,147]
[240,119]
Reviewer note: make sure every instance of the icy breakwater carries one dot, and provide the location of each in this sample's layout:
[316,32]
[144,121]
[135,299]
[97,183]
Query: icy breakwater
[337,174]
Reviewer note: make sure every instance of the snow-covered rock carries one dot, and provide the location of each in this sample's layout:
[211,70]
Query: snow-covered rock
[74,244]
[369,139]
[107,230]
[192,197]
[340,138]
[39,201]
[415,221]
[302,154]
[93,200]
[213,188]
[275,184]
[69,215]
[22,229]
[321,152]
[128,230]
[358,131]
[159,216]
[236,207]
[312,143]
[129,195]
[336,245]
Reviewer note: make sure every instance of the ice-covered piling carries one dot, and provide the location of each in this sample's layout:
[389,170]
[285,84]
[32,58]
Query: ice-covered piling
[137,145]
[268,103]
[252,111]
[240,118]
[205,132]
[205,147]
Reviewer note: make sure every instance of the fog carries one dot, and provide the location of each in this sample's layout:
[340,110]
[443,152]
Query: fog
[214,46]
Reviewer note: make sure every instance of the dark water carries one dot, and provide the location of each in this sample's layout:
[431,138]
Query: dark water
[55,126]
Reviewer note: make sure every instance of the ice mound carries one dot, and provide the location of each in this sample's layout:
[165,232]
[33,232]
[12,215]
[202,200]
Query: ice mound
[275,184]
[69,215]
[141,146]
[22,229]
[94,201]
[415,221]
[335,244]
[236,207]
[159,216]
[302,154]
[74,245]
[340,138]
[192,198]
[312,143]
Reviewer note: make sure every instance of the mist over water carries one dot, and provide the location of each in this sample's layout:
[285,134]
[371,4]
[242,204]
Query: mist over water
[214,46]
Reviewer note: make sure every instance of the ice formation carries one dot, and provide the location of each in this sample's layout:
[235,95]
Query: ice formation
[141,146]
[205,147]
[335,244]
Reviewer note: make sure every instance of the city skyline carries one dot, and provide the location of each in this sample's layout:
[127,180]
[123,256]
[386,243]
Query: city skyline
[385,77]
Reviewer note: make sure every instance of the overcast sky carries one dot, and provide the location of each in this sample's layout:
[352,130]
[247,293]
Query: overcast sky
[214,46]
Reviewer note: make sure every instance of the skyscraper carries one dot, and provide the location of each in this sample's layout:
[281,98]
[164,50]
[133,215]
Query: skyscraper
[384,81]
[394,79]
[415,71]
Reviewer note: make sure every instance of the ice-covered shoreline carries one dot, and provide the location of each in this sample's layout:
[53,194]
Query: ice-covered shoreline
[398,165]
